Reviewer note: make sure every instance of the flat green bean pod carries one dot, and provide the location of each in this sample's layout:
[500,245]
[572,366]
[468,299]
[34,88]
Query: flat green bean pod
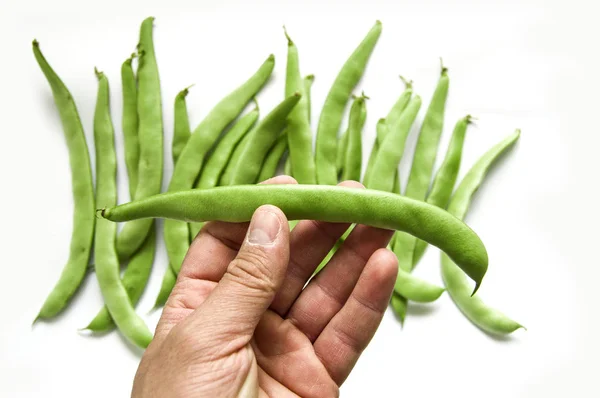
[271,162]
[353,154]
[107,261]
[298,122]
[181,128]
[335,103]
[326,203]
[83,194]
[150,135]
[263,137]
[445,178]
[130,123]
[483,316]
[189,164]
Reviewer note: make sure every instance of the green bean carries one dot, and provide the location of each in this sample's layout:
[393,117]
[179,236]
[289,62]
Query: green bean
[181,129]
[269,167]
[353,161]
[189,164]
[211,172]
[382,130]
[150,133]
[227,175]
[83,194]
[399,304]
[445,178]
[264,136]
[416,289]
[130,124]
[335,103]
[298,124]
[423,162]
[392,148]
[396,186]
[340,157]
[105,254]
[484,317]
[308,82]
[287,168]
[326,203]
[136,275]
[166,286]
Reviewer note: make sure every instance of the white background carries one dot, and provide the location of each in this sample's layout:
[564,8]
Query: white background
[527,64]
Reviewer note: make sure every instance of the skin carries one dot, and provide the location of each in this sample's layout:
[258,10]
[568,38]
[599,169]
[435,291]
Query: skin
[136,275]
[445,178]
[189,164]
[83,194]
[335,103]
[480,314]
[273,158]
[217,161]
[263,138]
[105,254]
[315,202]
[130,123]
[392,148]
[272,337]
[358,115]
[382,129]
[298,122]
[150,133]
[181,129]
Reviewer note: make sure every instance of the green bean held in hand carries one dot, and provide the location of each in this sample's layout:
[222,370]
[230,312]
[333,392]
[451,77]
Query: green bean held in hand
[335,103]
[263,137]
[150,135]
[298,124]
[130,124]
[445,178]
[107,261]
[353,155]
[189,164]
[83,194]
[181,128]
[480,314]
[325,203]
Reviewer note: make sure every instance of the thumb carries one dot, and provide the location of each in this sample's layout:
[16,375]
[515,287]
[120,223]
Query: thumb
[252,279]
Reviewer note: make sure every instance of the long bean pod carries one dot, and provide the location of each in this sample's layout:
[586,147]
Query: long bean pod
[326,203]
[271,162]
[150,134]
[130,124]
[335,103]
[479,313]
[353,155]
[105,254]
[83,193]
[181,128]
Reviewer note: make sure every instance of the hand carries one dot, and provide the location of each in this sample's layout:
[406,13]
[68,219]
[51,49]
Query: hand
[240,323]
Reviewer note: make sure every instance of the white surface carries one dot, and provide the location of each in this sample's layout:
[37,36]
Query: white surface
[528,64]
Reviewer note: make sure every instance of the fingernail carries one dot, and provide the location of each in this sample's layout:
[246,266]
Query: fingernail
[264,228]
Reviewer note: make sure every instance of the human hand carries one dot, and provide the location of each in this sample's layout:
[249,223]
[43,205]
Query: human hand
[241,323]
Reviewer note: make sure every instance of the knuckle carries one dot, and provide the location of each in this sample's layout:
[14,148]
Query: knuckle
[253,269]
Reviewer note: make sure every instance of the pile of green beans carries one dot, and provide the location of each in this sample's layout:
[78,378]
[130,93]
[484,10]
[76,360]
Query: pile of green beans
[218,164]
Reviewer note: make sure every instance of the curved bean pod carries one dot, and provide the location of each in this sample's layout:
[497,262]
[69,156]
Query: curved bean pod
[181,128]
[415,289]
[264,136]
[353,155]
[298,124]
[326,203]
[130,124]
[445,178]
[335,103]
[150,134]
[106,259]
[269,167]
[190,162]
[484,317]
[83,194]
